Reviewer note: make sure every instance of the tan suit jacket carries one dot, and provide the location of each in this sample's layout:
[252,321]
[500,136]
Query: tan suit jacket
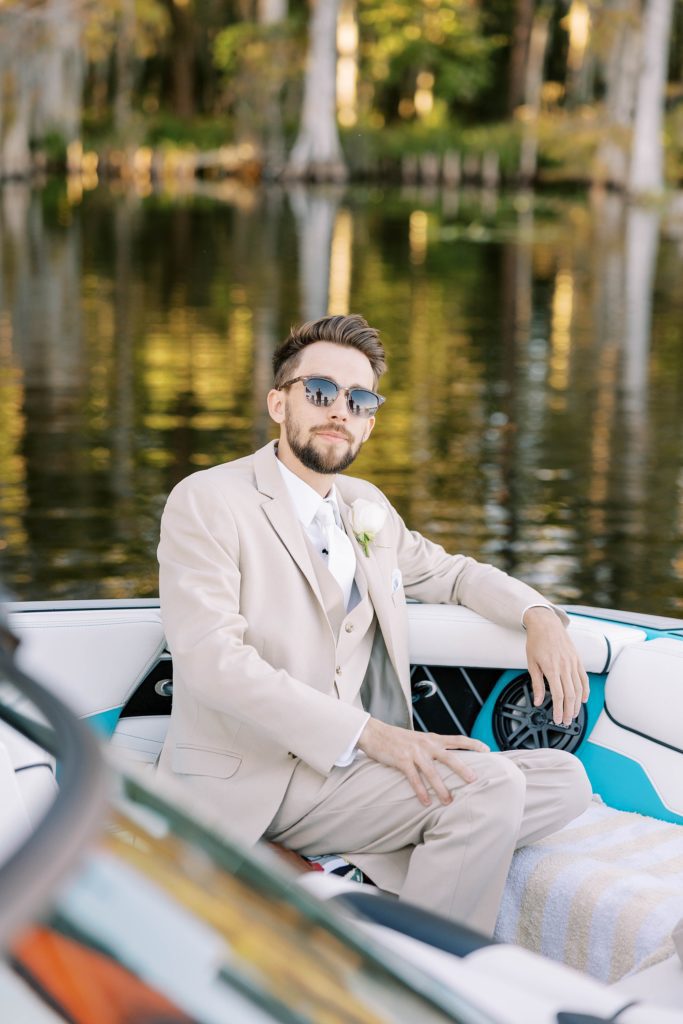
[254,652]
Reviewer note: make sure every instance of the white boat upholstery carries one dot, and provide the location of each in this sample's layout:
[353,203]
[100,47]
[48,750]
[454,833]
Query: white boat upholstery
[14,820]
[92,659]
[661,983]
[446,634]
[643,715]
[27,787]
[140,739]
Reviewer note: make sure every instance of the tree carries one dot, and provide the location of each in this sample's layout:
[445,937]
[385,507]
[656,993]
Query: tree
[646,175]
[317,153]
[619,26]
[42,62]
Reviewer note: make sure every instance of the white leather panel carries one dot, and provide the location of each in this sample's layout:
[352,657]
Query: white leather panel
[38,788]
[663,766]
[446,634]
[140,739]
[662,981]
[15,823]
[644,690]
[92,659]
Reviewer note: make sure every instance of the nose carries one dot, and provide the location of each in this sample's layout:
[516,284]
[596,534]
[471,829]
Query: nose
[340,407]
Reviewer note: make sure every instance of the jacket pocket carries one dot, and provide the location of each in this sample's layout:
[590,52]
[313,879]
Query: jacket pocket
[188,760]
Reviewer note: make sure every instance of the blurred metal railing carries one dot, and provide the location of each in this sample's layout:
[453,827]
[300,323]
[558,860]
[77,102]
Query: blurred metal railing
[29,875]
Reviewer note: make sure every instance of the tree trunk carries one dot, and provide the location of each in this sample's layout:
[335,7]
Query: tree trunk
[538,45]
[183,59]
[646,175]
[621,75]
[519,50]
[272,13]
[317,153]
[123,101]
[60,104]
[15,155]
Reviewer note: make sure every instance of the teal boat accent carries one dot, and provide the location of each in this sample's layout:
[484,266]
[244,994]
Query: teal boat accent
[623,783]
[104,722]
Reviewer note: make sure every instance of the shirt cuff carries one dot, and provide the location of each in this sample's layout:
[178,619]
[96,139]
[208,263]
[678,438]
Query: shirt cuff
[543,604]
[347,756]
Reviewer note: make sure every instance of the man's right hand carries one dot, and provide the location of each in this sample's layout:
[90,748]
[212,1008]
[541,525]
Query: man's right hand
[414,754]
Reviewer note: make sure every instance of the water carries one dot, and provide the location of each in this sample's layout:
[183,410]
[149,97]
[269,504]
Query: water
[534,412]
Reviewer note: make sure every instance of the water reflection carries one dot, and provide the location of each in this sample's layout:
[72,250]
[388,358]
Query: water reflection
[535,389]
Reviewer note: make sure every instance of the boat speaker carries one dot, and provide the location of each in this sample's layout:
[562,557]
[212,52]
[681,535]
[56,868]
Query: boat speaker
[518,725]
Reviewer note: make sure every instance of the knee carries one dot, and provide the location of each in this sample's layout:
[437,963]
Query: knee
[571,782]
[580,791]
[501,783]
[509,779]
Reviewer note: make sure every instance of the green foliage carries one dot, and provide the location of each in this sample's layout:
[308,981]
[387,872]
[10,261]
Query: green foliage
[102,26]
[400,39]
[202,133]
[371,149]
[259,65]
[53,147]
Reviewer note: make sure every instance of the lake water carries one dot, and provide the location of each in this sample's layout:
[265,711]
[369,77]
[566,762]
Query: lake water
[534,413]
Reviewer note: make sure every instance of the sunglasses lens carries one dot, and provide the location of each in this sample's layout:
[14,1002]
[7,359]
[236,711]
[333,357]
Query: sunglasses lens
[363,403]
[320,391]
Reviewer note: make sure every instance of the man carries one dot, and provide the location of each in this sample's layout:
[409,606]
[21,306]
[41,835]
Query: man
[285,615]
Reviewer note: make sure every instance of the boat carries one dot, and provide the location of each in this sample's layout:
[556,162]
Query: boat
[591,917]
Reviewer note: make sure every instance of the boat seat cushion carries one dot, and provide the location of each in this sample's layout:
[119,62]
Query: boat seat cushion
[92,660]
[446,634]
[642,719]
[644,691]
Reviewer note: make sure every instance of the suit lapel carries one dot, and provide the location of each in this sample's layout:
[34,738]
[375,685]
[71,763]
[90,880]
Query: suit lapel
[281,514]
[377,582]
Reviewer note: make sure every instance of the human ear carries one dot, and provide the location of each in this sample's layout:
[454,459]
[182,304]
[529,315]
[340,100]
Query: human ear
[276,405]
[368,429]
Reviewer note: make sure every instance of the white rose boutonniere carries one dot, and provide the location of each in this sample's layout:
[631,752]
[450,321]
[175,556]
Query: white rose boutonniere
[367,519]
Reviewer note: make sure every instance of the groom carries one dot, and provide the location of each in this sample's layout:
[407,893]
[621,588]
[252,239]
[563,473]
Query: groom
[283,588]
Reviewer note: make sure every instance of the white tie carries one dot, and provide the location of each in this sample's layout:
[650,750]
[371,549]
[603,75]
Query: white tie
[341,558]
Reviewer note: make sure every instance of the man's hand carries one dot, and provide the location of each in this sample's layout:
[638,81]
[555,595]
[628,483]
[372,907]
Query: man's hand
[414,754]
[551,653]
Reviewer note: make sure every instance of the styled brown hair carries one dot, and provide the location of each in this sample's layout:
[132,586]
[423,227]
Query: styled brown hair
[350,330]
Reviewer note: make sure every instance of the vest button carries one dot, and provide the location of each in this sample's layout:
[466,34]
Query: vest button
[349,627]
[338,670]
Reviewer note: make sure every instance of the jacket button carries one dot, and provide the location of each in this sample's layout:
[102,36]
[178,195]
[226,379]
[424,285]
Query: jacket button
[338,670]
[349,627]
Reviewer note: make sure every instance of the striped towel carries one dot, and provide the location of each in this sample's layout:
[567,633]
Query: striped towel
[602,895]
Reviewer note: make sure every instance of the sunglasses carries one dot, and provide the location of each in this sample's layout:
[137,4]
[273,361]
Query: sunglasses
[322,392]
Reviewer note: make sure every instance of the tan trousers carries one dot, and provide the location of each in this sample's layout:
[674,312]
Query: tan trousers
[458,855]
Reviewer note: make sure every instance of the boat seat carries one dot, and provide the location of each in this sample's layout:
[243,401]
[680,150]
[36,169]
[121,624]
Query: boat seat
[446,634]
[92,659]
[27,787]
[661,983]
[641,721]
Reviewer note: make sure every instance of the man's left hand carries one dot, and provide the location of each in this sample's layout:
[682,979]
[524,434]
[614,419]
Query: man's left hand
[551,654]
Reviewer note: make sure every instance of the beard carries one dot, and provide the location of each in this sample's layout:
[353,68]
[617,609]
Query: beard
[312,457]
